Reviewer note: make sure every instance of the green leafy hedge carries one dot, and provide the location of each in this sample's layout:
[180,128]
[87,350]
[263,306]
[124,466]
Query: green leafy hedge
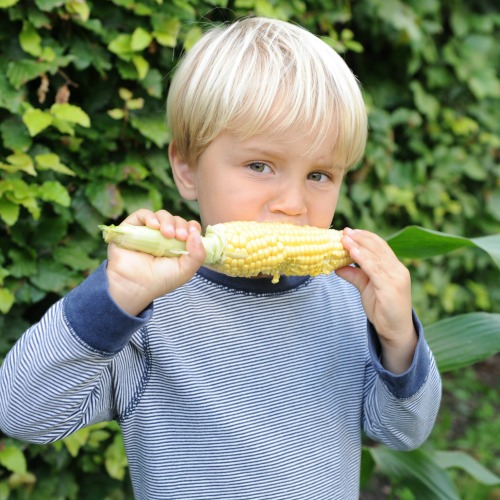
[83,142]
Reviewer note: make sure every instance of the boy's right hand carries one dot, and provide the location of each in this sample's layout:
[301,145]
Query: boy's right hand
[136,278]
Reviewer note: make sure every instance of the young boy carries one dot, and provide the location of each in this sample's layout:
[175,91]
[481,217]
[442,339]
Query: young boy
[236,388]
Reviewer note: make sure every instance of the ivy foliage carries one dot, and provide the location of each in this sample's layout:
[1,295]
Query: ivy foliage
[83,142]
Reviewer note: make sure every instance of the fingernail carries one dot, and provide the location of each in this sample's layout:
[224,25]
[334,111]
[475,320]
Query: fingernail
[181,233]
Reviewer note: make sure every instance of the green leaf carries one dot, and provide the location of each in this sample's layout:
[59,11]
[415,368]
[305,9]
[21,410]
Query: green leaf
[367,467]
[151,126]
[121,45]
[86,215]
[153,83]
[419,471]
[15,134]
[10,98]
[6,302]
[9,212]
[4,490]
[49,5]
[419,243]
[23,263]
[50,161]
[4,4]
[166,30]
[140,39]
[13,459]
[141,65]
[106,198]
[19,162]
[79,8]
[30,40]
[75,257]
[70,113]
[53,277]
[20,72]
[116,459]
[464,339]
[461,460]
[116,113]
[36,120]
[76,440]
[192,36]
[54,191]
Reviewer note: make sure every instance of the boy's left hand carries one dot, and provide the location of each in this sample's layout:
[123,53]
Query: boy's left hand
[384,284]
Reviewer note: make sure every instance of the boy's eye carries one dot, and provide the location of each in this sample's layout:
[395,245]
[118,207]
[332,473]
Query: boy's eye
[259,167]
[318,177]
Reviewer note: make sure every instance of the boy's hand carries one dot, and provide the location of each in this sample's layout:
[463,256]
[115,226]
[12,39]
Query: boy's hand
[136,278]
[385,287]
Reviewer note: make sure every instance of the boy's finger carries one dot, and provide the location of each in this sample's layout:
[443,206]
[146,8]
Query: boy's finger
[192,261]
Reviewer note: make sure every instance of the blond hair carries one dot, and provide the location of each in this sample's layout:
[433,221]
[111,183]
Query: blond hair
[265,76]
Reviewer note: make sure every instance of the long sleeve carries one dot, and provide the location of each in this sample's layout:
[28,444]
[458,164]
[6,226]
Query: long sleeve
[400,410]
[57,377]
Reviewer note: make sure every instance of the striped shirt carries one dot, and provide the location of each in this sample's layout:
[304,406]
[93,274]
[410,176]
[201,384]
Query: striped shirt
[225,389]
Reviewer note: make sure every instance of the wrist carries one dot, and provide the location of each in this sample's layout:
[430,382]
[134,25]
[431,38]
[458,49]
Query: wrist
[130,296]
[397,354]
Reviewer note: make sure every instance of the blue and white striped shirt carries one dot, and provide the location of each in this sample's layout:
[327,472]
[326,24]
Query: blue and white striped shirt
[225,389]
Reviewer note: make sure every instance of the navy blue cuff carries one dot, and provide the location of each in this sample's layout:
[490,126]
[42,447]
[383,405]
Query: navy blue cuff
[406,384]
[97,319]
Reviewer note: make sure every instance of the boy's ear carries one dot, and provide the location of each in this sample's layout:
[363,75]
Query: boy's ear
[184,175]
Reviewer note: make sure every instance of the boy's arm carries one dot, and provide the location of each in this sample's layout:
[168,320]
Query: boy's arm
[56,379]
[404,386]
[400,409]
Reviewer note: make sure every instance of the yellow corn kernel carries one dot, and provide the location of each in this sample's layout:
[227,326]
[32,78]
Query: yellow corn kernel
[268,248]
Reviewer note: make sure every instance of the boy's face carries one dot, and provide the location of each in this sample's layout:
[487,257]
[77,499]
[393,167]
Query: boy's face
[263,179]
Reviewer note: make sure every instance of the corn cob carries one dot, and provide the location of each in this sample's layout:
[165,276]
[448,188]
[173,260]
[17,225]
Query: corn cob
[247,248]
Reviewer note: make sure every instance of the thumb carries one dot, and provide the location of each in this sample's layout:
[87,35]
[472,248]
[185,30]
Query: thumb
[193,260]
[353,275]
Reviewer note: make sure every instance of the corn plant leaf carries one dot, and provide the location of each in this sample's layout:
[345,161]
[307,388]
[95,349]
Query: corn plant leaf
[464,339]
[419,243]
[461,460]
[419,471]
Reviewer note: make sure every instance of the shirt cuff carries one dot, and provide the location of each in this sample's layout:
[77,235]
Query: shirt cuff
[95,317]
[406,384]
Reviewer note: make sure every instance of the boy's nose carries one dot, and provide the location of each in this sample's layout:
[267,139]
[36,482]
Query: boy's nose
[289,200]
